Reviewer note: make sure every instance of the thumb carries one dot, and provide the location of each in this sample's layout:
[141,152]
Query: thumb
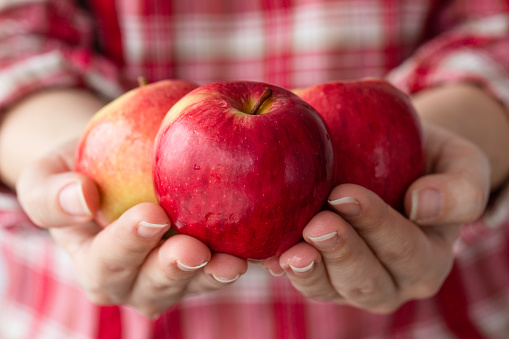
[53,195]
[456,190]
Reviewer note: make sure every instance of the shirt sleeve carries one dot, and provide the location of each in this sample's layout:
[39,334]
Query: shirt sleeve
[473,50]
[50,43]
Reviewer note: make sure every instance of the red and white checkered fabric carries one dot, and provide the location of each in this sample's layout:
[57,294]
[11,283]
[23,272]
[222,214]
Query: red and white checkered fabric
[104,45]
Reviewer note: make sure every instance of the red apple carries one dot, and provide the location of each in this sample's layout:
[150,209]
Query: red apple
[116,148]
[243,167]
[375,133]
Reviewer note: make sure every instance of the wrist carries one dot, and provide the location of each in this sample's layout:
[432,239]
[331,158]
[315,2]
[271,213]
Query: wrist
[38,124]
[472,113]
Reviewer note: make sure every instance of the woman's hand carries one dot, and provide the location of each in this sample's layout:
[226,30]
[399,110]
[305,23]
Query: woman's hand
[127,262]
[366,254]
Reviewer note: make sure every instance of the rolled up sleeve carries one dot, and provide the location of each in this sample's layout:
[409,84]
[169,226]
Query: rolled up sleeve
[50,43]
[474,51]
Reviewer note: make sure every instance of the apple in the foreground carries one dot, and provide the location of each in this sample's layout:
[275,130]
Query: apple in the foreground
[375,132]
[243,167]
[116,147]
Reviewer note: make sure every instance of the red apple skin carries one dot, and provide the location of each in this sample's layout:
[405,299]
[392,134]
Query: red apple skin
[243,184]
[376,135]
[117,145]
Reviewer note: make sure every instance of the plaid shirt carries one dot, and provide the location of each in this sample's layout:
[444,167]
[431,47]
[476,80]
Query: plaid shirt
[103,45]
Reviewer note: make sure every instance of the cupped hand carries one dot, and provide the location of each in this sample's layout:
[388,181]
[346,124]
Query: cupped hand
[126,262]
[363,253]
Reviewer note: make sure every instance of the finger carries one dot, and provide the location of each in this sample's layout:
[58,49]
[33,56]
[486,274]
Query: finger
[456,191]
[111,260]
[272,266]
[416,263]
[223,269]
[52,195]
[305,269]
[166,273]
[353,269]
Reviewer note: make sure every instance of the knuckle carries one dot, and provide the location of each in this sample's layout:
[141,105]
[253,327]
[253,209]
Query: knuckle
[426,289]
[99,298]
[130,243]
[148,310]
[372,297]
[166,281]
[154,304]
[427,283]
[152,308]
[380,305]
[320,295]
[367,291]
[376,211]
[477,198]
[159,285]
[401,254]
[374,216]
[103,292]
[386,308]
[109,272]
[343,255]
[116,269]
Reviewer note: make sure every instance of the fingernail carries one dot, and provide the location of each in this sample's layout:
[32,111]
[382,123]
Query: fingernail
[186,268]
[150,230]
[303,270]
[426,204]
[225,280]
[347,206]
[276,274]
[325,242]
[73,201]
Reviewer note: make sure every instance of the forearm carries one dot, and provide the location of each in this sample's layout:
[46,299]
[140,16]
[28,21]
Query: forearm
[38,124]
[473,114]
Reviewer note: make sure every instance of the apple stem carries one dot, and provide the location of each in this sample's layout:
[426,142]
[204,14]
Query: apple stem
[265,95]
[142,81]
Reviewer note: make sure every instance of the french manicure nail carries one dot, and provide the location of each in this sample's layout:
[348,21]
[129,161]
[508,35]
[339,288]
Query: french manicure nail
[325,242]
[347,206]
[276,274]
[73,201]
[150,230]
[186,268]
[426,204]
[302,270]
[225,280]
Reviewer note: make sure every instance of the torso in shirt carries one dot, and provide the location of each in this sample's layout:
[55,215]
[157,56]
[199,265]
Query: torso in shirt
[288,43]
